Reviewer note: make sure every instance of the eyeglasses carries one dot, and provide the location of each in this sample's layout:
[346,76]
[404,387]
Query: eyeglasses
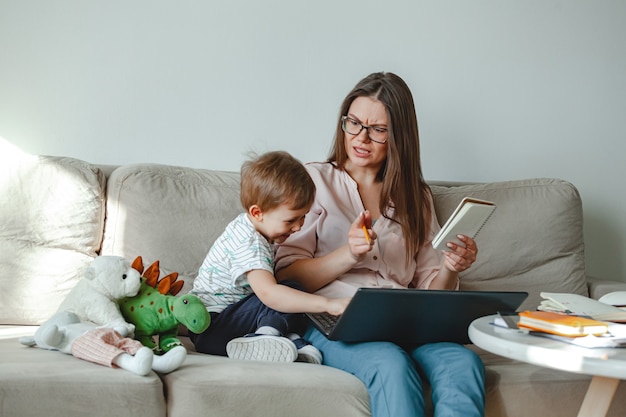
[374,133]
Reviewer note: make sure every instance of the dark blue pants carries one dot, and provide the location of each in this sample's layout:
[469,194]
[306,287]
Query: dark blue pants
[242,318]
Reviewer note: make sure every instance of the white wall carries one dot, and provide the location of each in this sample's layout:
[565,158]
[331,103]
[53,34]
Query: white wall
[504,89]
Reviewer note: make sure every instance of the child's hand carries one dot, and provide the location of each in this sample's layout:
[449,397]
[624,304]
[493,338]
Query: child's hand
[336,306]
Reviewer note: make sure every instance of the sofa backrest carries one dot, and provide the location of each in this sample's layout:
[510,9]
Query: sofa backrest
[51,223]
[533,241]
[168,213]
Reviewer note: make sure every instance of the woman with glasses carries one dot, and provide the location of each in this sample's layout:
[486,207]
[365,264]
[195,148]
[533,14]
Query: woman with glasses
[371,225]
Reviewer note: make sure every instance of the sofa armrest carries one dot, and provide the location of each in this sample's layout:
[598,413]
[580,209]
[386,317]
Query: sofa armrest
[599,287]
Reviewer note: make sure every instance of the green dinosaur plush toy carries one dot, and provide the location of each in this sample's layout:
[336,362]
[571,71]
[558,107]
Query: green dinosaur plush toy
[157,311]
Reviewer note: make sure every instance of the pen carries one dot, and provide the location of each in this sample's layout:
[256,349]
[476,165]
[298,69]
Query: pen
[367,235]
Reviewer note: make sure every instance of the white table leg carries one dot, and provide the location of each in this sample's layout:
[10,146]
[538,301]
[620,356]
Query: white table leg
[598,397]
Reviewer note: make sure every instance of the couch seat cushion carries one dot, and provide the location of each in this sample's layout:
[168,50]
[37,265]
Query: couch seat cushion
[518,389]
[36,382]
[220,386]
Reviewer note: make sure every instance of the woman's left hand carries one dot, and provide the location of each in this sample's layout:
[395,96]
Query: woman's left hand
[459,258]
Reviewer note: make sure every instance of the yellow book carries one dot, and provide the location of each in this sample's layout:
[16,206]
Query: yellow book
[561,324]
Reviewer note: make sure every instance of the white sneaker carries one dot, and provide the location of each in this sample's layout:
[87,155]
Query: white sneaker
[261,347]
[306,351]
[309,354]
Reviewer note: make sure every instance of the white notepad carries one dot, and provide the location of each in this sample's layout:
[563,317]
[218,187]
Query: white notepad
[581,306]
[467,219]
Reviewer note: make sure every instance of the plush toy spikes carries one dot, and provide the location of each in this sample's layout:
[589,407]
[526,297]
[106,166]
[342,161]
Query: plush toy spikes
[166,285]
[138,264]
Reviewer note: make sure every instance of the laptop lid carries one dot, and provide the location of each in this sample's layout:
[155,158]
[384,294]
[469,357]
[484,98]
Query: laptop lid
[412,316]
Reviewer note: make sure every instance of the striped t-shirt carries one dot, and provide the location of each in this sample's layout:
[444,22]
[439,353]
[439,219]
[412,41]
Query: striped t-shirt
[222,280]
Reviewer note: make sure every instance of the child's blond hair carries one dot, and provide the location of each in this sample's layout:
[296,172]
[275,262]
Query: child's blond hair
[273,179]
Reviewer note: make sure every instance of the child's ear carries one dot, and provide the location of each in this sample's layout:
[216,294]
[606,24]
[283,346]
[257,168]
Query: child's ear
[256,212]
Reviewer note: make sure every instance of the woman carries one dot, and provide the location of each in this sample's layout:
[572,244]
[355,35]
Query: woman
[373,178]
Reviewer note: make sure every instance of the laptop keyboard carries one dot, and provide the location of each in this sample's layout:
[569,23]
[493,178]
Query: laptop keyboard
[327,320]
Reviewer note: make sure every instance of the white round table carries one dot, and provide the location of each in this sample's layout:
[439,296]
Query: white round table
[606,365]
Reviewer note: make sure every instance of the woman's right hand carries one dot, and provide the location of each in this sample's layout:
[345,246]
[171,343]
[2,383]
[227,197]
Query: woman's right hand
[361,237]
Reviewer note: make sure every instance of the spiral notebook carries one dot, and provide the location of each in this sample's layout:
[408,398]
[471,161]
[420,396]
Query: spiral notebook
[467,219]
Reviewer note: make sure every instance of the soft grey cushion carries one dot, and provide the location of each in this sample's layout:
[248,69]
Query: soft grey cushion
[36,382]
[52,223]
[166,213]
[517,389]
[147,217]
[533,241]
[262,389]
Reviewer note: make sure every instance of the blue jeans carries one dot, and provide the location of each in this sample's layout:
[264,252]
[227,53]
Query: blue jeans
[392,375]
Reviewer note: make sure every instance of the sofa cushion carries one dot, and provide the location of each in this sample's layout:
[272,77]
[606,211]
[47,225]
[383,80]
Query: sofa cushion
[52,224]
[518,389]
[533,241]
[37,382]
[167,213]
[253,388]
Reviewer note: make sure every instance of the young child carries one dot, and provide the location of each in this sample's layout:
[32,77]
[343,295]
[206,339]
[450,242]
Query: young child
[254,317]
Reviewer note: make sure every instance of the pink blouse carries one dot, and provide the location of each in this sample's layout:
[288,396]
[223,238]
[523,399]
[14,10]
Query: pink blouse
[325,229]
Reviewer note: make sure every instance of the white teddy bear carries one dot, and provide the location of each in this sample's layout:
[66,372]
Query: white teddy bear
[94,298]
[90,326]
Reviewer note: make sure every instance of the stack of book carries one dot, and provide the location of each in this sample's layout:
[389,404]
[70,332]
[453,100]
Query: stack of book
[575,319]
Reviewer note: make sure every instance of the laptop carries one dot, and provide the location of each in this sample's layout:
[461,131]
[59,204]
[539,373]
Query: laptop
[412,316]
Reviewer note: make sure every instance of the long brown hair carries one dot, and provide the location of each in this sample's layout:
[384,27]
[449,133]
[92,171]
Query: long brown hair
[404,188]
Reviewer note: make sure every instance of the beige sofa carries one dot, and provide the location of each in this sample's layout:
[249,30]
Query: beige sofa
[56,214]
